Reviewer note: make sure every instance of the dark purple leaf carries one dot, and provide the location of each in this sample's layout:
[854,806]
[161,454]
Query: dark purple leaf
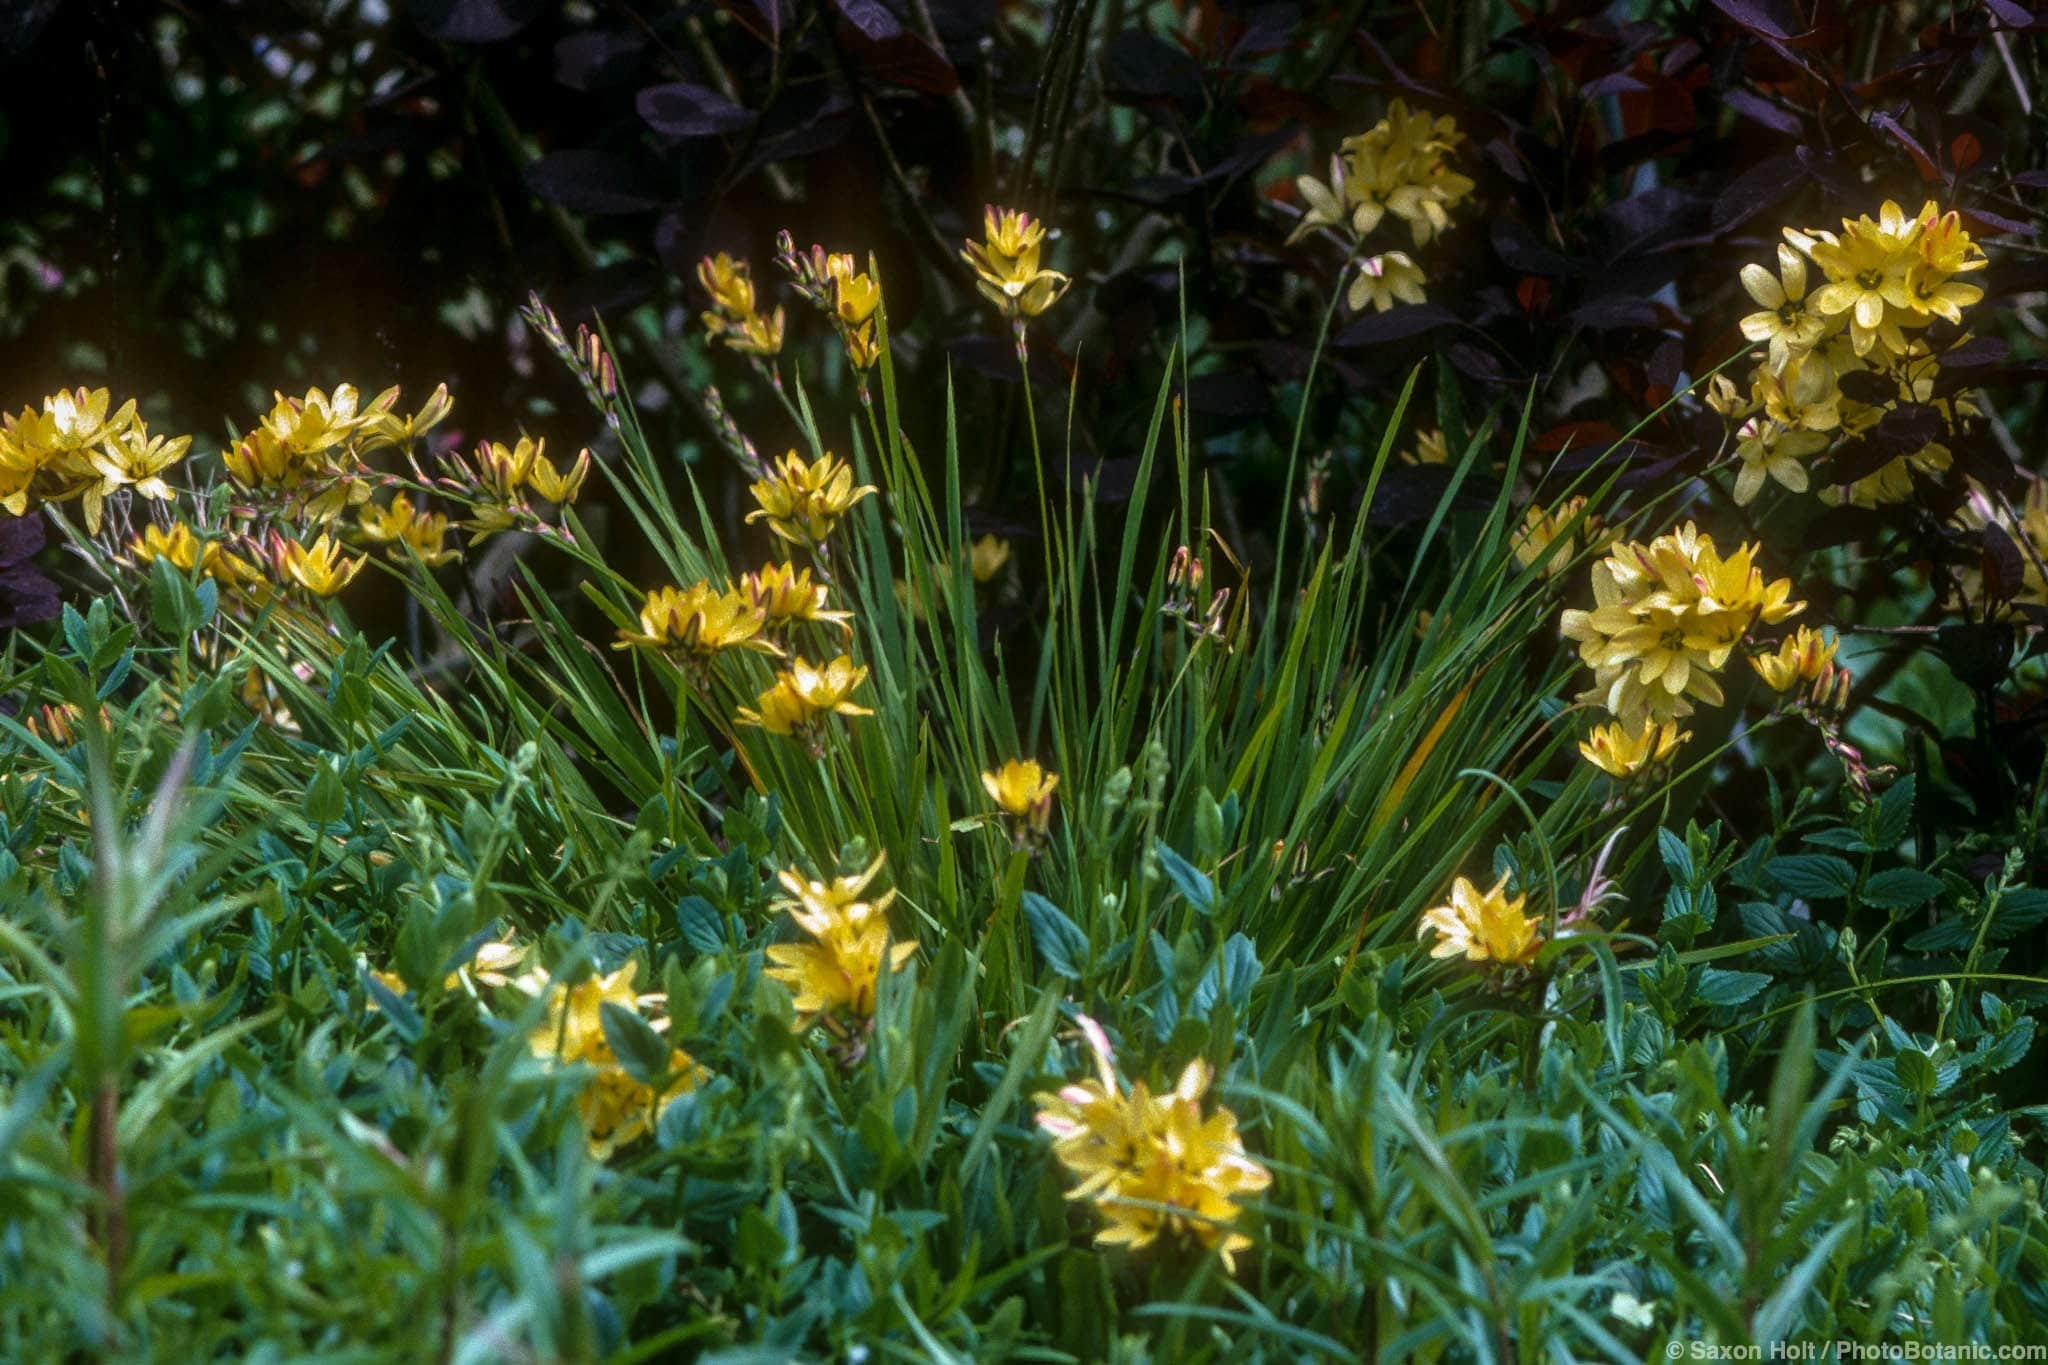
[1885,123]
[27,594]
[589,181]
[2010,14]
[1977,353]
[2033,180]
[2005,569]
[1409,320]
[474,21]
[1978,456]
[599,58]
[1980,218]
[1612,314]
[1613,83]
[1410,493]
[1756,107]
[1479,364]
[1631,225]
[1268,29]
[682,110]
[1519,249]
[870,18]
[1770,18]
[1867,386]
[1979,654]
[1136,66]
[888,53]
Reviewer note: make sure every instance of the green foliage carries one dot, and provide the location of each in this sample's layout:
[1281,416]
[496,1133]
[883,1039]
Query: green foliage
[1772,1096]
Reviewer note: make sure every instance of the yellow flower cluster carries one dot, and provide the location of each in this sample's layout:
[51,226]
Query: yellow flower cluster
[1805,660]
[695,625]
[732,317]
[499,482]
[1666,616]
[803,696]
[698,623]
[616,1107]
[1023,791]
[1005,264]
[75,448]
[803,502]
[1399,167]
[1483,926]
[182,546]
[849,296]
[1885,281]
[309,452]
[1152,1164]
[833,977]
[1542,535]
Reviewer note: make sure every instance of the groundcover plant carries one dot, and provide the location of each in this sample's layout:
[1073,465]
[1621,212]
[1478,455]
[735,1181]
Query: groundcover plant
[1414,735]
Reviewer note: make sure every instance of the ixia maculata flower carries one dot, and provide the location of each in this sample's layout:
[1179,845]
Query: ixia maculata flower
[802,502]
[1621,752]
[1024,793]
[616,1107]
[1483,926]
[834,975]
[74,447]
[804,696]
[1006,268]
[699,622]
[1152,1165]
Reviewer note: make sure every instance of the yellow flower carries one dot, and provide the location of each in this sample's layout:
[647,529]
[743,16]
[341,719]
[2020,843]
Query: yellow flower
[1666,616]
[616,1108]
[855,299]
[383,426]
[1384,280]
[1784,321]
[864,346]
[403,524]
[1866,268]
[1024,791]
[803,502]
[699,621]
[1152,1165]
[182,547]
[491,965]
[733,318]
[75,446]
[1806,655]
[987,557]
[1006,268]
[804,694]
[320,568]
[1769,448]
[1620,752]
[757,334]
[837,971]
[784,594]
[1483,927]
[730,284]
[556,486]
[1431,447]
[1541,535]
[1399,166]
